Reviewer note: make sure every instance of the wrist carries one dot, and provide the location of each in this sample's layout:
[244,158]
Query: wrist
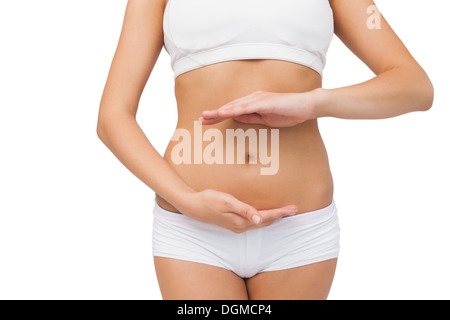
[177,193]
[184,200]
[319,102]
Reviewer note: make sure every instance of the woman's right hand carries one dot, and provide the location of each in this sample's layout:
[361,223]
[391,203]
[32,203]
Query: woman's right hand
[224,210]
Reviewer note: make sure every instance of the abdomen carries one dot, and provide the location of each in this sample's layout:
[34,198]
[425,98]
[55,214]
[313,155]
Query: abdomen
[293,168]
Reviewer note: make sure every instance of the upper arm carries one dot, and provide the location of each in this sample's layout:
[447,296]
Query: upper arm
[140,44]
[380,49]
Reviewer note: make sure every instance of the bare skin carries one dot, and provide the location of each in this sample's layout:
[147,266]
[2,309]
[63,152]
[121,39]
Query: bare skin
[303,160]
[179,280]
[231,195]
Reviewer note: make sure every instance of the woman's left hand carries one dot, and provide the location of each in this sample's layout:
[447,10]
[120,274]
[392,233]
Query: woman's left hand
[266,108]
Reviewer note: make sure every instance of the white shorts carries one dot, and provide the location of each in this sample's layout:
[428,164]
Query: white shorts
[289,242]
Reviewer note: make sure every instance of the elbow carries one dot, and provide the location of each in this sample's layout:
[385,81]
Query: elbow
[109,122]
[428,93]
[101,128]
[425,92]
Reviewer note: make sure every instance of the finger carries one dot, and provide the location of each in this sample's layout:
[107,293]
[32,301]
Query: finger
[226,110]
[210,121]
[271,218]
[274,214]
[246,211]
[253,118]
[208,114]
[235,110]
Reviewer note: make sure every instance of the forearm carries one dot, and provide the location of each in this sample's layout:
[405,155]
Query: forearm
[126,140]
[392,93]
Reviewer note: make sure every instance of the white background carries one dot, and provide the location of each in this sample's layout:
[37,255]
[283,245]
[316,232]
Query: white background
[76,224]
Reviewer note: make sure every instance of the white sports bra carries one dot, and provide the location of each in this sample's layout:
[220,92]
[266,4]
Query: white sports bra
[198,33]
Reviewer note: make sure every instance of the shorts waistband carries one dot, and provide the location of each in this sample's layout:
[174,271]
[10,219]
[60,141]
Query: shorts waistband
[300,218]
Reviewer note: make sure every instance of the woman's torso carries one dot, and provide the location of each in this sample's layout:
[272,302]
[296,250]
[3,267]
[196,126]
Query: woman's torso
[303,177]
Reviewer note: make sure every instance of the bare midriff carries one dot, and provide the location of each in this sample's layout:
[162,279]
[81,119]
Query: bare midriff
[303,177]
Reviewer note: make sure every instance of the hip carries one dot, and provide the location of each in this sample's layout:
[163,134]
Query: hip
[289,242]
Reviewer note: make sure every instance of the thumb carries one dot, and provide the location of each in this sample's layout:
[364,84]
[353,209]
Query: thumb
[246,211]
